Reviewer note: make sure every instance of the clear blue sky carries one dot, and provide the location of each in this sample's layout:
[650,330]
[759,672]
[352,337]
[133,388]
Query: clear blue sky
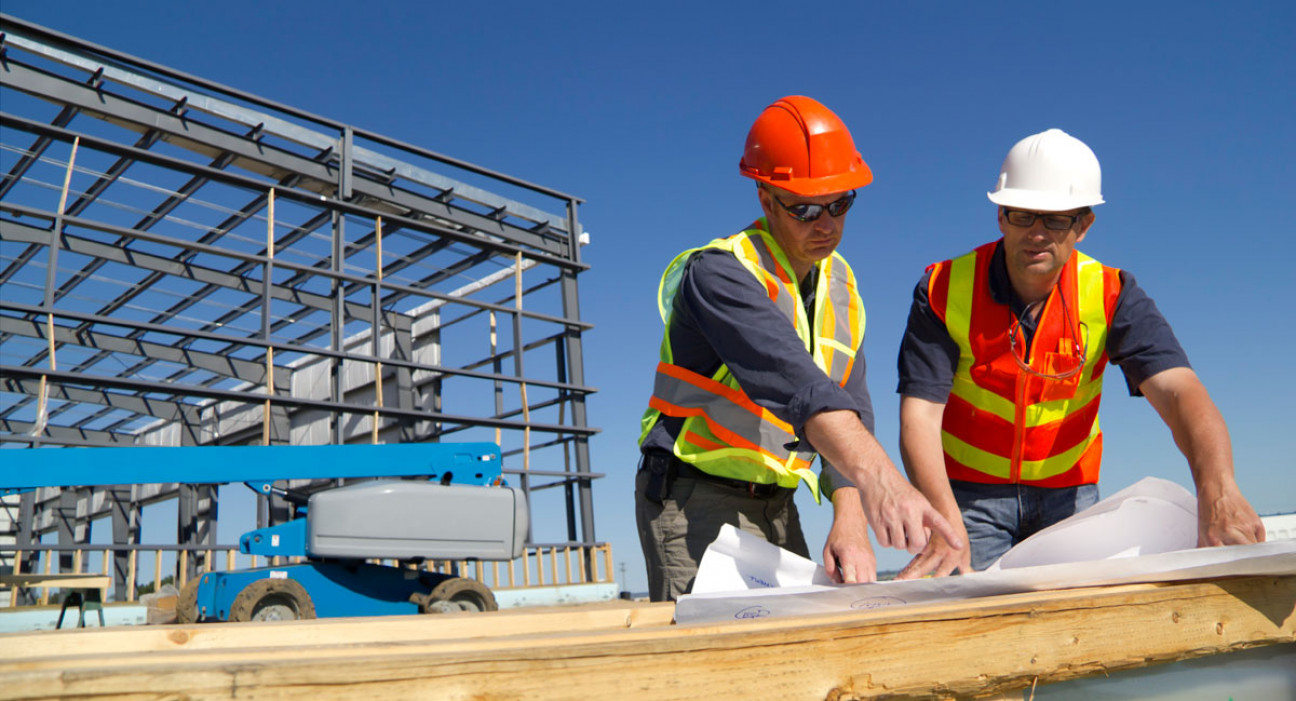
[641,109]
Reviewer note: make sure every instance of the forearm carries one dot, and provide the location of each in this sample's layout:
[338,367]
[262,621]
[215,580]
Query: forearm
[921,453]
[1197,426]
[924,460]
[840,437]
[1223,515]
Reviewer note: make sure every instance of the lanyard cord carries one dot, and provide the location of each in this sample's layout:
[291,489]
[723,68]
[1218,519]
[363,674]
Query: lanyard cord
[1079,340]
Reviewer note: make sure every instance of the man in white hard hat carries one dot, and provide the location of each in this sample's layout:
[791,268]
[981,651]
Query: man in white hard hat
[1002,363]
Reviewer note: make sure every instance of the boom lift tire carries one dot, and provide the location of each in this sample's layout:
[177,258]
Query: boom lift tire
[187,602]
[457,594]
[272,600]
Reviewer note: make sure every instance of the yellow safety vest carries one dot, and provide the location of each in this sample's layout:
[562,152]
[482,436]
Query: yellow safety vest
[725,433]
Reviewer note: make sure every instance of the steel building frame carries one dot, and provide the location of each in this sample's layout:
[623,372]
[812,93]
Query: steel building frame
[182,263]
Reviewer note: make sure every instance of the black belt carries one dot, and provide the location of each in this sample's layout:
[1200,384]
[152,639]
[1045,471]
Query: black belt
[678,468]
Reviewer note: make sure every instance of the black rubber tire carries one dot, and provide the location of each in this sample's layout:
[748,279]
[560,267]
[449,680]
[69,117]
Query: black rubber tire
[459,594]
[187,602]
[272,600]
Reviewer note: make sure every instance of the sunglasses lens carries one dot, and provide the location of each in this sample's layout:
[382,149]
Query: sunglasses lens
[805,212]
[839,206]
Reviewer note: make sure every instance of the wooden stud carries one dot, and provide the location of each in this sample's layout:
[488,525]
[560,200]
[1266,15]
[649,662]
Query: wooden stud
[132,558]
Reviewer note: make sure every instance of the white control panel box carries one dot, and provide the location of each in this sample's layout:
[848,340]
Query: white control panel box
[406,520]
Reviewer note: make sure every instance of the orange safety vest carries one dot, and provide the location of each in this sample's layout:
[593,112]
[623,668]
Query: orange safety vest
[725,433]
[1004,425]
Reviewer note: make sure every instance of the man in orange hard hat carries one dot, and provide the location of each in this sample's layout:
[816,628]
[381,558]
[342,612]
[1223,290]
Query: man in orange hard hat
[761,368]
[1002,364]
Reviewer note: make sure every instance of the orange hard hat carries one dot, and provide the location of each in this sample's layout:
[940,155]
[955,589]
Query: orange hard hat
[801,146]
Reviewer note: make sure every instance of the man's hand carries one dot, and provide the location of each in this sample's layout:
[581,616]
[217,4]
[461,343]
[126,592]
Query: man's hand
[939,559]
[1226,518]
[902,517]
[848,555]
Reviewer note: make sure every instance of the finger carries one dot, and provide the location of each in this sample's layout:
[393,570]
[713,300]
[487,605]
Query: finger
[898,538]
[916,536]
[916,568]
[830,566]
[848,574]
[947,567]
[882,531]
[933,518]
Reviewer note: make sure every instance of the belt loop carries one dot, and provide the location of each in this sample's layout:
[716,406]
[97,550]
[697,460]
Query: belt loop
[751,489]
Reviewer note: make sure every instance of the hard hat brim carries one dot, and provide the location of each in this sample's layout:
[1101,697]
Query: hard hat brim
[815,187]
[1039,201]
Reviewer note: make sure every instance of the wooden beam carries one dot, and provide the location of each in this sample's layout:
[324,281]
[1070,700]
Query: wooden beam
[944,650]
[55,581]
[136,640]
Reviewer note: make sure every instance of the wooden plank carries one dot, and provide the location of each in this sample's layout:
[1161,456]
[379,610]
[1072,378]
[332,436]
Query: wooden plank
[49,644]
[952,649]
[71,581]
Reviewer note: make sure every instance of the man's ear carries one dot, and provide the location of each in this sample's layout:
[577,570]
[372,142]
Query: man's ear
[766,204]
[1086,221]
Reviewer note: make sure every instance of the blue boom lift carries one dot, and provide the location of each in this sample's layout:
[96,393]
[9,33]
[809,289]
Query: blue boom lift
[461,510]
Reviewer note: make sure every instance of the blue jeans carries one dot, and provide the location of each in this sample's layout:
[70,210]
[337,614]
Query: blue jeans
[999,516]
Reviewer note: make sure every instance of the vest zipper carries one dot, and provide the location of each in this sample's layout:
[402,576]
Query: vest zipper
[1019,430]
[1019,406]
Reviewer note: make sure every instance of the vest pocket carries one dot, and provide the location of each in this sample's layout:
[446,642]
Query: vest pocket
[1058,364]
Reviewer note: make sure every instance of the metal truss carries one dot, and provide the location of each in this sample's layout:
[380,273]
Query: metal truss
[182,263]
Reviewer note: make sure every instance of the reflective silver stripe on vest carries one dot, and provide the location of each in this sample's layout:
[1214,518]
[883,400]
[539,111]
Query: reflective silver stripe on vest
[836,290]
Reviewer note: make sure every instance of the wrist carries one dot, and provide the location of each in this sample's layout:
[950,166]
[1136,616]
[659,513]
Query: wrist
[1215,487]
[847,500]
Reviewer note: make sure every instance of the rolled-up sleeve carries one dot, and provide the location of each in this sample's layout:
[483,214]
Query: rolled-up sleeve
[928,355]
[1140,341]
[830,478]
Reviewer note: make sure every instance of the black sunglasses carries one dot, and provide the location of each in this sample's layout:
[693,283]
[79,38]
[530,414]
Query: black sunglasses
[810,212]
[1056,222]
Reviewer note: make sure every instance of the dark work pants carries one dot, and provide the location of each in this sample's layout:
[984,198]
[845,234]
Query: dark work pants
[675,533]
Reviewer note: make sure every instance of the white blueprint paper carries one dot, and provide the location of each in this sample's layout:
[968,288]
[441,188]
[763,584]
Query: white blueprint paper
[1145,533]
[1149,517]
[738,560]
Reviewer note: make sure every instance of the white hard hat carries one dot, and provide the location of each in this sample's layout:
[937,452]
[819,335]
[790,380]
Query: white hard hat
[1049,172]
